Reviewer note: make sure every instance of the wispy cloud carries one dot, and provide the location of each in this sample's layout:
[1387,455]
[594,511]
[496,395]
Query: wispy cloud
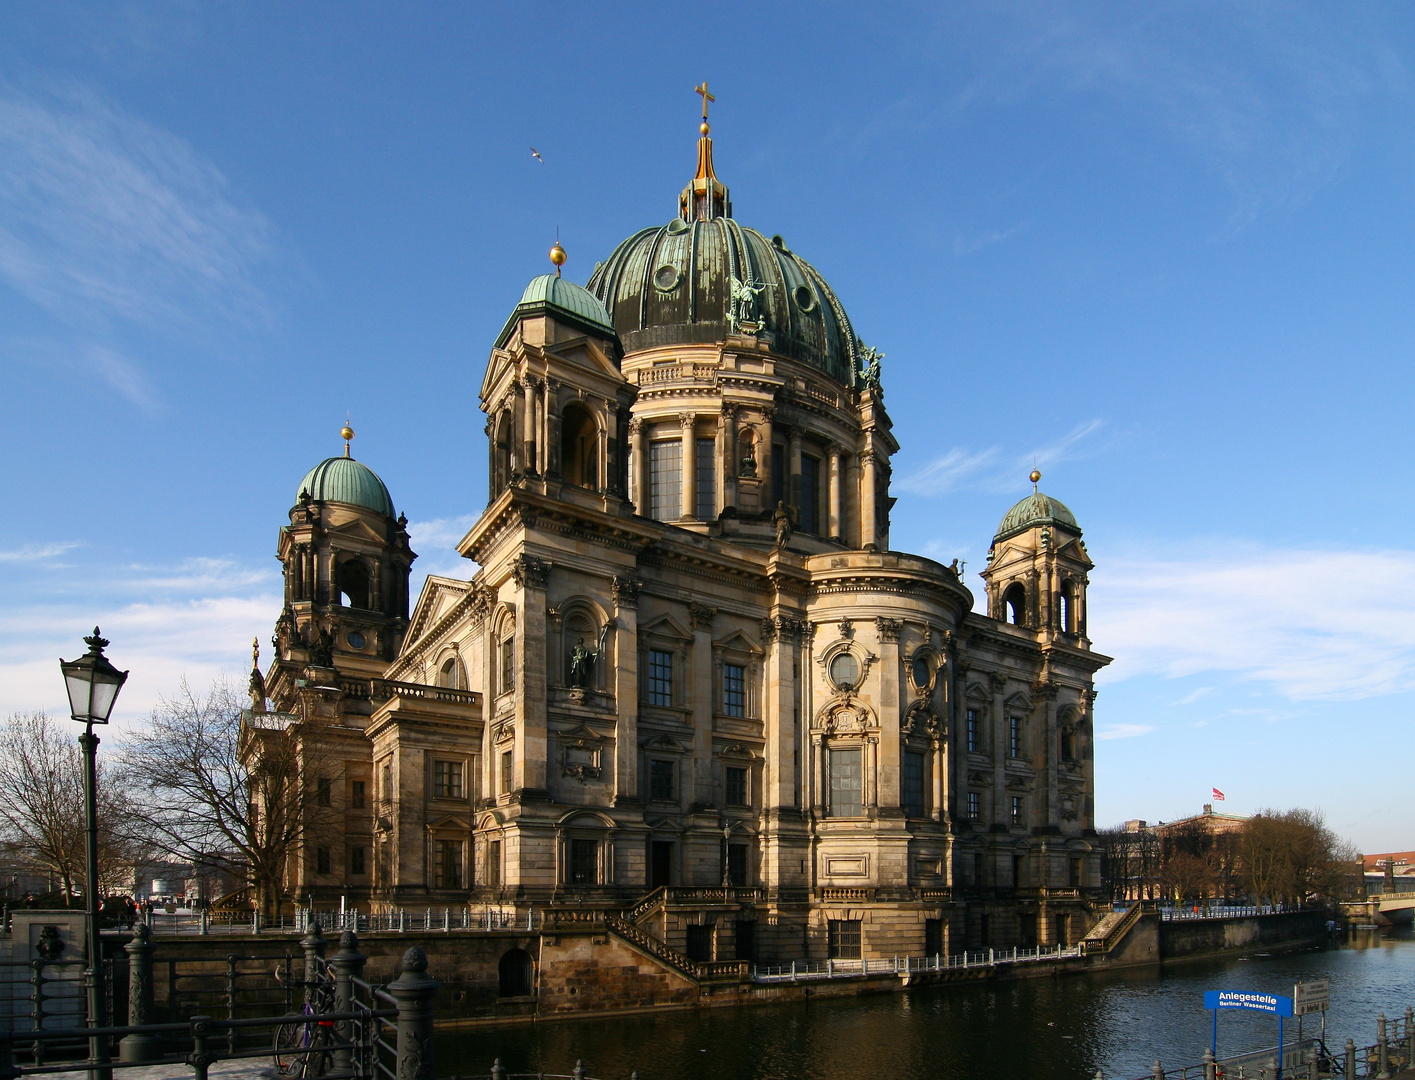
[1193,696]
[1106,732]
[38,552]
[1309,624]
[968,245]
[435,541]
[993,468]
[106,216]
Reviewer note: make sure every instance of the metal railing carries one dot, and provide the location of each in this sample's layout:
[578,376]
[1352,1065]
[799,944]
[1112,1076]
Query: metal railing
[499,1072]
[1224,911]
[801,970]
[345,1028]
[402,920]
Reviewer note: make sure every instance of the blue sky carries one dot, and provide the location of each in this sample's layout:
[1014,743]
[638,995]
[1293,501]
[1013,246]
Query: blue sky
[1162,251]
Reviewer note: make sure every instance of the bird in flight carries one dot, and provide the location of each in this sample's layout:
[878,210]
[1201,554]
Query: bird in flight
[536,154]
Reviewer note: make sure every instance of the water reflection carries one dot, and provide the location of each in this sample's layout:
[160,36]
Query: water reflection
[1048,1029]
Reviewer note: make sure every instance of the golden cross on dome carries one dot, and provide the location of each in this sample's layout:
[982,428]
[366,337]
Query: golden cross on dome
[703,89]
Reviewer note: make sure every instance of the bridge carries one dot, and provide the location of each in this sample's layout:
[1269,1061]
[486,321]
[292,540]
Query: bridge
[1383,909]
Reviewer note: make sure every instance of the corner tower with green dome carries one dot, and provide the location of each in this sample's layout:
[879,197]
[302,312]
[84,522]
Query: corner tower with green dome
[346,564]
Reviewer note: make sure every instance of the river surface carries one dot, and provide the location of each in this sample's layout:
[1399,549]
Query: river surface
[1062,1028]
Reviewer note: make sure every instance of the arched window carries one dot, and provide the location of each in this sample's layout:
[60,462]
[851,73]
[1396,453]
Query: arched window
[452,675]
[1014,602]
[353,584]
[517,973]
[1064,611]
[501,454]
[1068,743]
[579,447]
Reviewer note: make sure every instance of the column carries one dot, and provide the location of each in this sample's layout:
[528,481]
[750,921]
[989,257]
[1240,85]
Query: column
[834,528]
[625,639]
[764,458]
[520,433]
[689,459]
[532,745]
[602,481]
[888,756]
[639,482]
[793,468]
[698,781]
[728,429]
[868,511]
[554,468]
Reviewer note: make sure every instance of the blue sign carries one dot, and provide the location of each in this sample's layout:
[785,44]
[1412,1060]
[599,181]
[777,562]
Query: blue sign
[1275,1004]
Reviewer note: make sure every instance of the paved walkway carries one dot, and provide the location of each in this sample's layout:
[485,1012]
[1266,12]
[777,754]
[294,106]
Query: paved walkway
[241,1069]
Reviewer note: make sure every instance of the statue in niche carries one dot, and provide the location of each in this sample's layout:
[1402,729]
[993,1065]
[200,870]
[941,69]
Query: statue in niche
[748,465]
[781,518]
[583,660]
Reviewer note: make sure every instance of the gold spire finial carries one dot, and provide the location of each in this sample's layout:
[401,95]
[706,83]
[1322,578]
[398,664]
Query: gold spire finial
[558,256]
[346,433]
[1035,476]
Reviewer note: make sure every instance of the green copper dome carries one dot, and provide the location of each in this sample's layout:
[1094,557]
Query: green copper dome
[695,282]
[1035,509]
[565,299]
[342,479]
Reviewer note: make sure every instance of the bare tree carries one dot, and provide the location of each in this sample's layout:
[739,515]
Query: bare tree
[1291,856]
[225,788]
[42,817]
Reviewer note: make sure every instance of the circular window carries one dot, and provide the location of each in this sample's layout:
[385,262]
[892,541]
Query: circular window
[356,640]
[805,299]
[677,226]
[666,278]
[845,671]
[922,672]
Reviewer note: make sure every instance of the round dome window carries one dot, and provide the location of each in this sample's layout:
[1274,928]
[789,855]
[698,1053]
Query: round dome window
[356,640]
[845,671]
[666,278]
[805,299]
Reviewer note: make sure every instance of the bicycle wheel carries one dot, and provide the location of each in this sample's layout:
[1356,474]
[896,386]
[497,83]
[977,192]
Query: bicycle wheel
[290,1042]
[317,1061]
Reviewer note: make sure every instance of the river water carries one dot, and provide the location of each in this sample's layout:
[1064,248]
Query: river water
[1062,1028]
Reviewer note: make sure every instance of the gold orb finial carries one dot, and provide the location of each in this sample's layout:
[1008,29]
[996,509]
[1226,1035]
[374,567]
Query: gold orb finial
[346,433]
[703,128]
[1035,476]
[558,257]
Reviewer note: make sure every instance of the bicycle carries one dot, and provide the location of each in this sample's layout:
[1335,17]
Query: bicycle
[303,1049]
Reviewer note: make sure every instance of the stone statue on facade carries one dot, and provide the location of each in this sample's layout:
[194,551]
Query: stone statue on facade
[869,365]
[583,660]
[744,301]
[781,518]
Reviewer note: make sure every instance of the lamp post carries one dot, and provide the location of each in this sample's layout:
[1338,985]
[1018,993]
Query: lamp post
[93,684]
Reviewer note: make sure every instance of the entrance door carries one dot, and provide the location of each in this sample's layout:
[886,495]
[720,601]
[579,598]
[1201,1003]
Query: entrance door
[660,863]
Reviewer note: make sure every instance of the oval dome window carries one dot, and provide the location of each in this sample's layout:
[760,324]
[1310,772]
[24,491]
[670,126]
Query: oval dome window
[805,299]
[666,278]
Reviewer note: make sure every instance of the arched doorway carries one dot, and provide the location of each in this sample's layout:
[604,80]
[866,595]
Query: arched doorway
[517,972]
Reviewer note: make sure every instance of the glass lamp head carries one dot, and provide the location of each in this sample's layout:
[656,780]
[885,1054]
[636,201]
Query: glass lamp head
[92,682]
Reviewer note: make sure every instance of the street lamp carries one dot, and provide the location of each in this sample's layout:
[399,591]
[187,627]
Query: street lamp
[93,684]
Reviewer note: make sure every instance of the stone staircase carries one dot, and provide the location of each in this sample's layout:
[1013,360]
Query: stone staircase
[1111,930]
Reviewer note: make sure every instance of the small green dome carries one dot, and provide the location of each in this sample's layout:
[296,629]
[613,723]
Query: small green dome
[342,479]
[1035,509]
[565,299]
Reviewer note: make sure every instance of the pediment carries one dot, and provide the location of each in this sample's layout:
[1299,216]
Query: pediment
[436,599]
[977,692]
[356,528]
[500,368]
[663,744]
[666,626]
[580,733]
[737,641]
[584,352]
[1019,700]
[450,821]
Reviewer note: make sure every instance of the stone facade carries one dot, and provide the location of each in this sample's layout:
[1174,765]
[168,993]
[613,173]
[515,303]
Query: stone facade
[687,659]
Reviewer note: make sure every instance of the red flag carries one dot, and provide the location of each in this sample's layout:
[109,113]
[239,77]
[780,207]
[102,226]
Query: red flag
[1218,795]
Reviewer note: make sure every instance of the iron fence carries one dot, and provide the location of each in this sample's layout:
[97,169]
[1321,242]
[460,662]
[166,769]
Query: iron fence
[362,922]
[800,970]
[334,1023]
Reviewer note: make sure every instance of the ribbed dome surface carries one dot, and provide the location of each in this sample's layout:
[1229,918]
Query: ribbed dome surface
[673,285]
[342,479]
[1035,509]
[565,298]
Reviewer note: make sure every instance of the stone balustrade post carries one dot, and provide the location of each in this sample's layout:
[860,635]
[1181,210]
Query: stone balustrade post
[414,991]
[1210,1065]
[313,944]
[137,1047]
[498,1071]
[347,963]
[1351,1058]
[1382,1048]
